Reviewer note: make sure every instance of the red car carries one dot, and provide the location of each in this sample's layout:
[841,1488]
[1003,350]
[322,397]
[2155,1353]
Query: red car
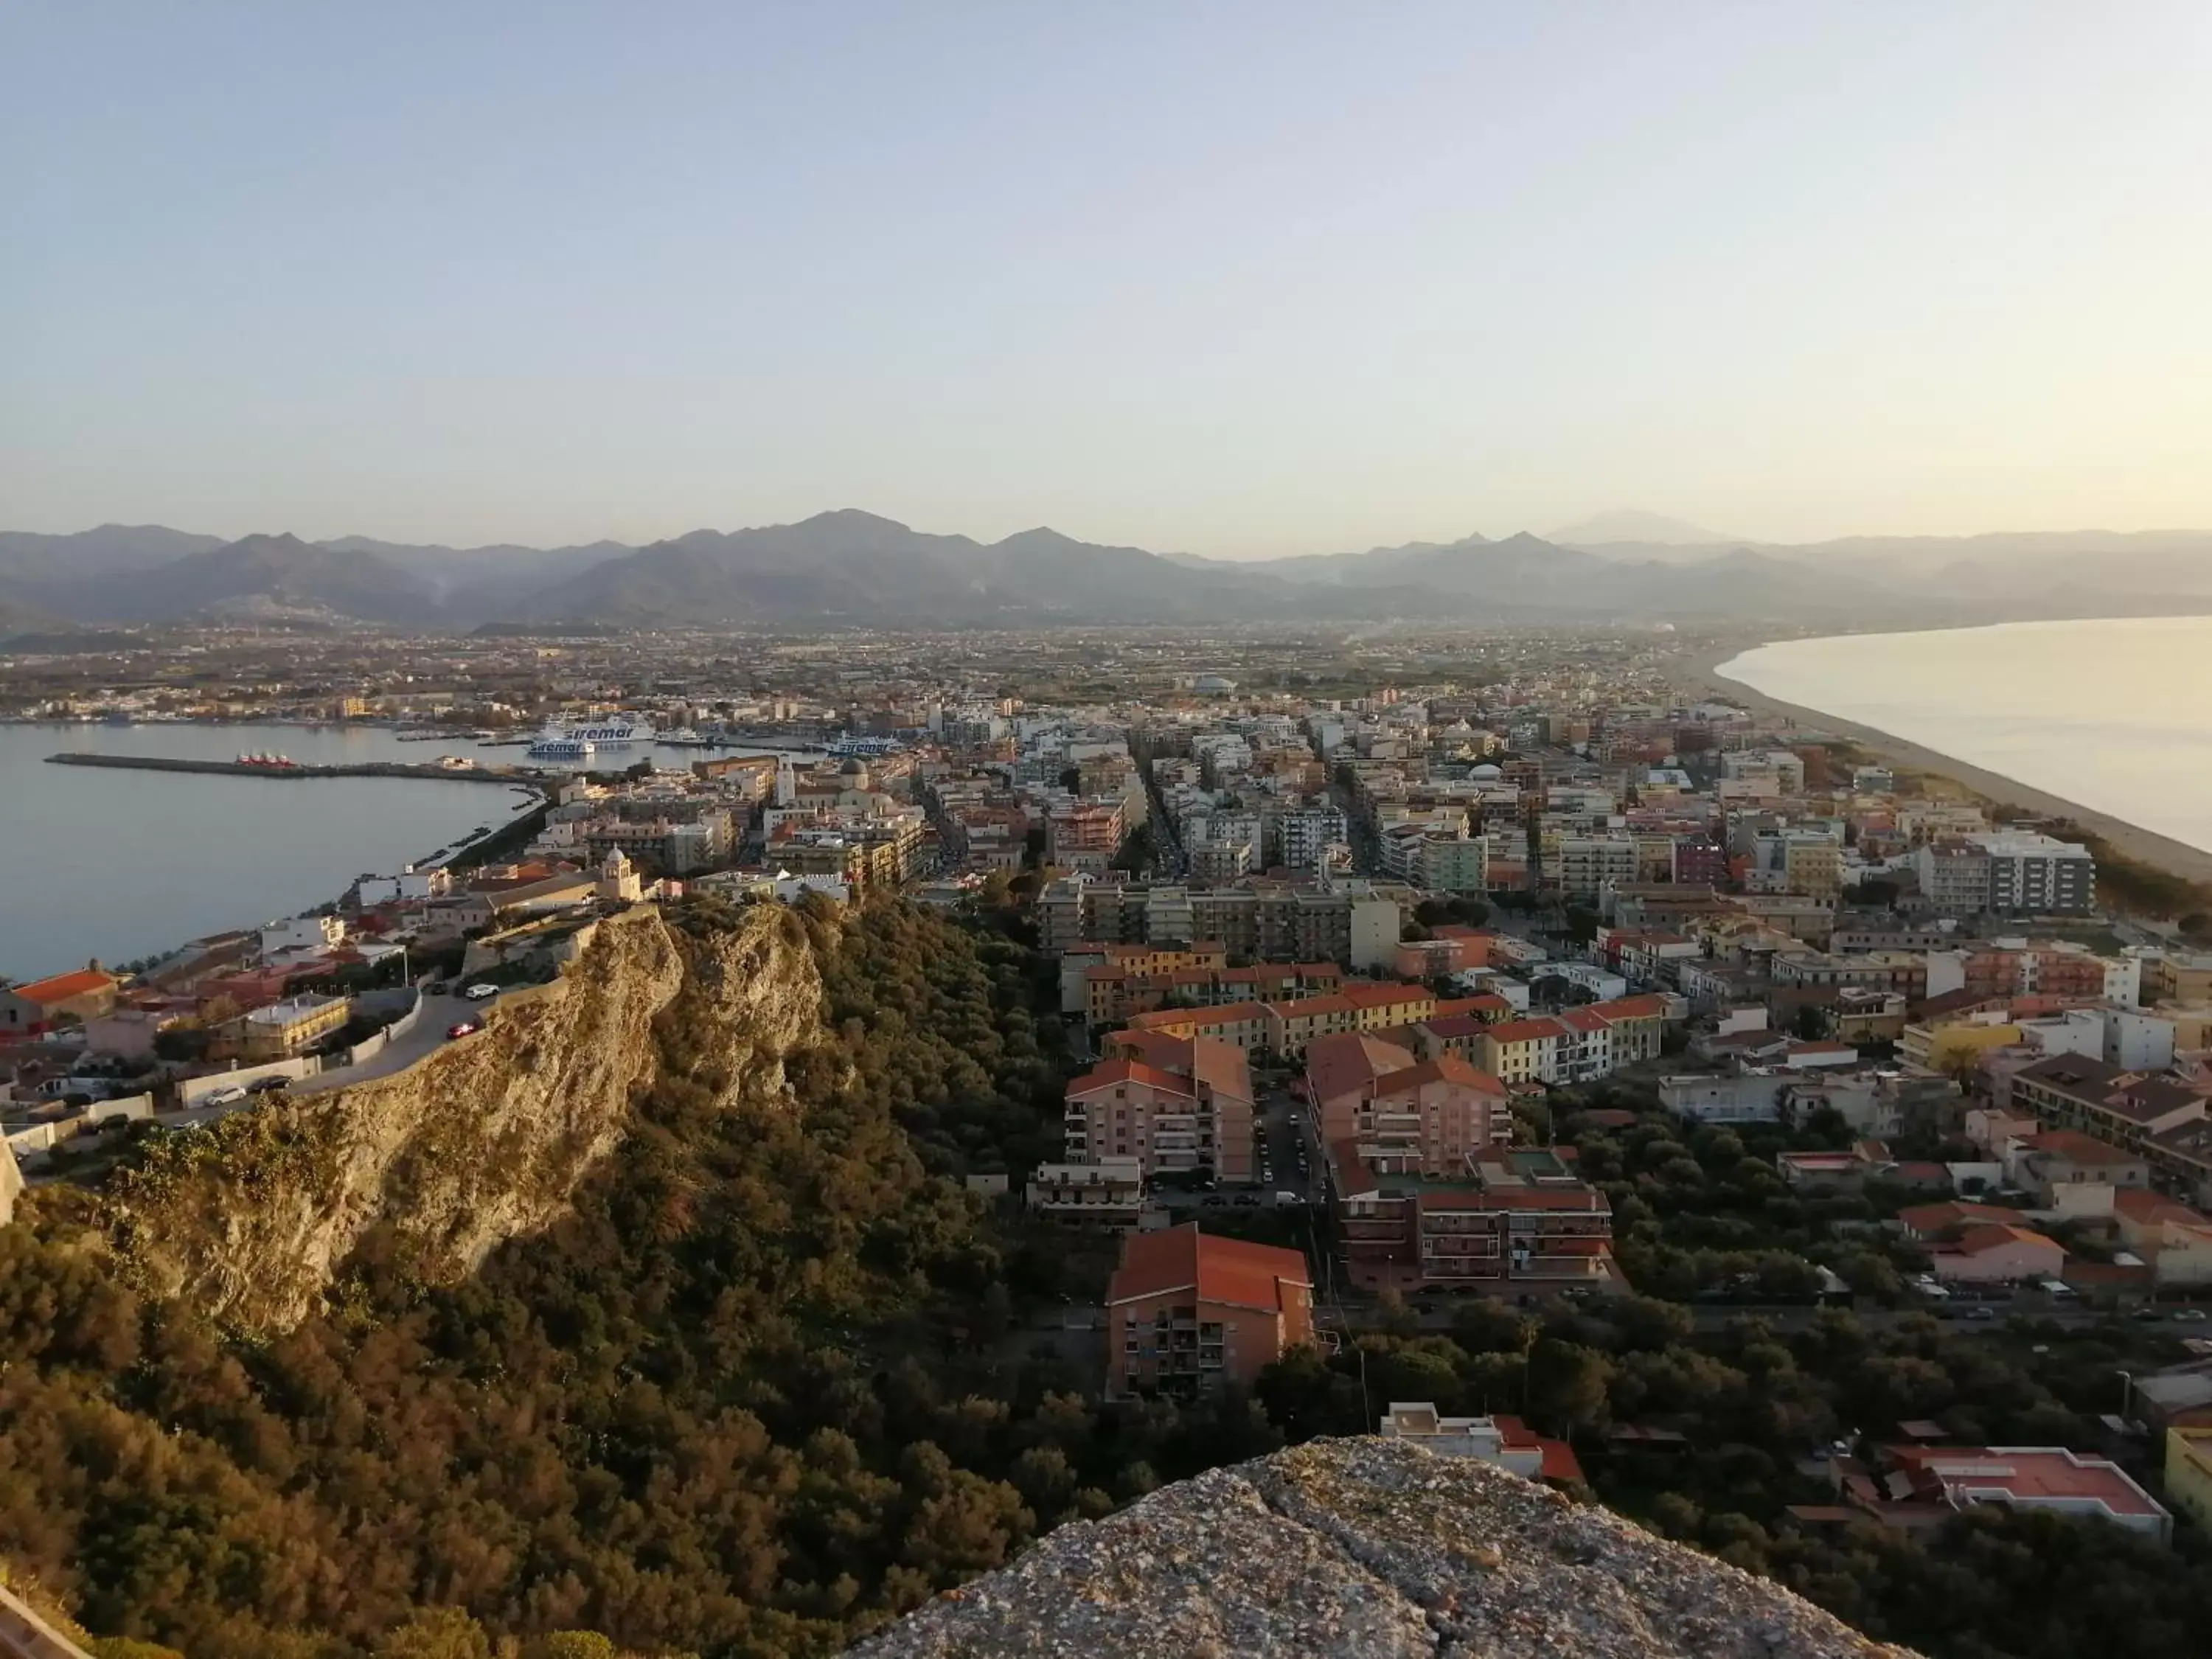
[464,1027]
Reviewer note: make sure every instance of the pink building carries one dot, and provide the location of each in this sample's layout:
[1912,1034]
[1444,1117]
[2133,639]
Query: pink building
[1432,1117]
[1187,1311]
[1171,1102]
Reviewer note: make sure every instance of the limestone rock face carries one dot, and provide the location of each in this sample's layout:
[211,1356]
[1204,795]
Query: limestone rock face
[1360,1548]
[480,1142]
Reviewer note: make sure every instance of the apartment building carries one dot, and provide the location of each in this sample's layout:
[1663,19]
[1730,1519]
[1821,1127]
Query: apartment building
[1403,1116]
[2157,1118]
[1085,835]
[1518,1221]
[2034,874]
[2050,970]
[1108,1194]
[1110,996]
[1356,923]
[1303,834]
[1449,950]
[1587,863]
[2006,871]
[1247,1027]
[1879,970]
[1451,864]
[1813,863]
[1525,1050]
[1172,1104]
[1187,1311]
[1953,876]
[2181,976]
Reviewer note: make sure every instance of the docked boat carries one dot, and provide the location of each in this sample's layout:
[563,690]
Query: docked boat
[555,746]
[852,748]
[582,740]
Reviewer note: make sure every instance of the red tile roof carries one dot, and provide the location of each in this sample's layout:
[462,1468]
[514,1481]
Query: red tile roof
[1216,1269]
[1348,1061]
[2140,1204]
[1976,1241]
[1559,1461]
[1526,1030]
[1927,1218]
[1110,1073]
[1444,1068]
[62,988]
[2077,1148]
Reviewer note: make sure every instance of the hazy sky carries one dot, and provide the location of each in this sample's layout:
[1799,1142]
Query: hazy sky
[1238,279]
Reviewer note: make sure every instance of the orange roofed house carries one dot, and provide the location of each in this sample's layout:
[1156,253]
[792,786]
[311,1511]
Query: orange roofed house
[1187,1310]
[1171,1102]
[33,1010]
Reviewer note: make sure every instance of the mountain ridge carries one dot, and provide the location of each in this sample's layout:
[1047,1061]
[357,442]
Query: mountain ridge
[849,568]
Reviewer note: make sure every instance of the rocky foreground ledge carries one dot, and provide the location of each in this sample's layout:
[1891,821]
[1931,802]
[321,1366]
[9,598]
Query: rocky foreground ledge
[1367,1548]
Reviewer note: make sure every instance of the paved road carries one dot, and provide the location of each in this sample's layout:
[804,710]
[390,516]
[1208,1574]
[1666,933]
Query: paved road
[429,1033]
[24,1635]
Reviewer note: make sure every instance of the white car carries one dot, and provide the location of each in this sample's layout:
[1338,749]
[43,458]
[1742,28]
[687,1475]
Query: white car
[222,1096]
[480,993]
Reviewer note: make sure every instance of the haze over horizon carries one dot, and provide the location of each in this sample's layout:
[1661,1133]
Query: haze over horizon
[1238,283]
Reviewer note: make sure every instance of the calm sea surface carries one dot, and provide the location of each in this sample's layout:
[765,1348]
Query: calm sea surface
[2115,716]
[121,865]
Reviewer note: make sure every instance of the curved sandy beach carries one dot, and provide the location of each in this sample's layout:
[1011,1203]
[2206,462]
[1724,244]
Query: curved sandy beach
[2175,857]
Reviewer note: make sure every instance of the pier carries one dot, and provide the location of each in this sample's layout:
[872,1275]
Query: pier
[509,776]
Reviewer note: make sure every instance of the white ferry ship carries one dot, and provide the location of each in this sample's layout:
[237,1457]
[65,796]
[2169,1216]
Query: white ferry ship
[583,739]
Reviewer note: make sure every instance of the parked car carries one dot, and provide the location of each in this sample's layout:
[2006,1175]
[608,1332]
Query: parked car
[224,1096]
[480,993]
[464,1027]
[2190,1317]
[263,1085]
[1982,1313]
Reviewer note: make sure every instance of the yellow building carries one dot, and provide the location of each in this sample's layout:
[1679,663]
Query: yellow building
[1943,1048]
[1245,1024]
[2188,1473]
[1812,865]
[291,1027]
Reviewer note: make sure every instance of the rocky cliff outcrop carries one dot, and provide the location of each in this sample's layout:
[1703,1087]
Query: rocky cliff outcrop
[1367,1549]
[481,1141]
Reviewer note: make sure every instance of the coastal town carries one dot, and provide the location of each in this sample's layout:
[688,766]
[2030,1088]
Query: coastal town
[1152,832]
[1380,960]
[1533,972]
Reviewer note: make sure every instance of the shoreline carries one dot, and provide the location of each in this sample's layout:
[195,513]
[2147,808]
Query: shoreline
[2176,858]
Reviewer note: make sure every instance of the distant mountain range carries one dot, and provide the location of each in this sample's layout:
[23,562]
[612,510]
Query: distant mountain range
[849,569]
